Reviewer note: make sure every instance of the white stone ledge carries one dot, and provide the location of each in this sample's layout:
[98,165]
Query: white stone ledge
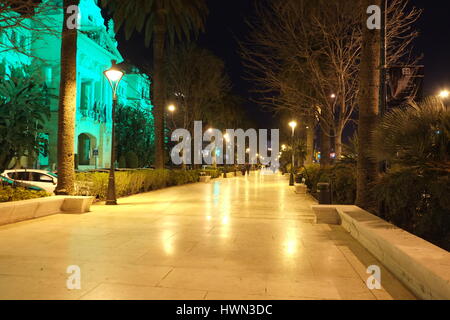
[205,179]
[423,267]
[16,211]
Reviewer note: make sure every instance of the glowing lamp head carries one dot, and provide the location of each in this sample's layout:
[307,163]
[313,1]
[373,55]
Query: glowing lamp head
[114,76]
[444,94]
[172,108]
[293,124]
[333,96]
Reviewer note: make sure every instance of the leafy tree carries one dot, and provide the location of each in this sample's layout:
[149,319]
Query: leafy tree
[159,20]
[24,108]
[134,133]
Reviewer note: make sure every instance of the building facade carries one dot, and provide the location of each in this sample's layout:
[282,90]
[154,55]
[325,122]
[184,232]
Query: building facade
[96,48]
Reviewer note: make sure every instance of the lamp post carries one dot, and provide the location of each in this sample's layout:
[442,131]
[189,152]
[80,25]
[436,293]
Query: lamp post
[293,125]
[444,95]
[172,110]
[114,76]
[227,140]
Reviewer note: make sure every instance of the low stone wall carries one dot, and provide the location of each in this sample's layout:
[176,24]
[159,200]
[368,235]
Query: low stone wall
[423,267]
[16,211]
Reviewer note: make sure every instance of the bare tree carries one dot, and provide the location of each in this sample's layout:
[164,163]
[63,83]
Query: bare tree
[25,16]
[305,55]
[197,83]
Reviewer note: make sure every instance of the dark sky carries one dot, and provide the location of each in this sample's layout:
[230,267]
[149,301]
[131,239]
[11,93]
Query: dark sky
[434,43]
[226,23]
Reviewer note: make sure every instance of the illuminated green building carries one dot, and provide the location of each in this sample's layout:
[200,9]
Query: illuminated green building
[96,48]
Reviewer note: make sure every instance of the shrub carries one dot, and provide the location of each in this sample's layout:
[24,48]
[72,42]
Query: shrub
[417,200]
[132,160]
[341,176]
[16,194]
[214,173]
[313,175]
[122,162]
[133,181]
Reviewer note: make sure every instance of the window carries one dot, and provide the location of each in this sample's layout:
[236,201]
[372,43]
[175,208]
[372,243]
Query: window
[21,176]
[85,96]
[40,177]
[48,76]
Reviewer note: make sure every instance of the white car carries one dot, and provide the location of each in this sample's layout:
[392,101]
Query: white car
[31,177]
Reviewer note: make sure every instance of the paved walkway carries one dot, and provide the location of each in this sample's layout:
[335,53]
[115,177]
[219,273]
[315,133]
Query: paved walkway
[236,238]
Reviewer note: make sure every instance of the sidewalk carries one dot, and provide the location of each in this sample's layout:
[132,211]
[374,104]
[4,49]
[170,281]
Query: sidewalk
[235,238]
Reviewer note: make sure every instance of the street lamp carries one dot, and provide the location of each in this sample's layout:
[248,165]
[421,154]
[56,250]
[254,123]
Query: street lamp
[171,108]
[293,125]
[444,94]
[227,138]
[114,76]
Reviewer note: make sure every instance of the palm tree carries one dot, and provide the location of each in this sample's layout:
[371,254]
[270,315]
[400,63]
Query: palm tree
[159,20]
[67,105]
[369,96]
[417,135]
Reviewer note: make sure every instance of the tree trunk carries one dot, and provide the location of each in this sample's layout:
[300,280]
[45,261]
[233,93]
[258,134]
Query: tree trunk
[67,106]
[368,109]
[338,143]
[325,146]
[309,141]
[158,88]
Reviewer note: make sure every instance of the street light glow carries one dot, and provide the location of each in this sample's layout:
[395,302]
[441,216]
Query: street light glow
[172,108]
[113,75]
[333,96]
[444,94]
[293,124]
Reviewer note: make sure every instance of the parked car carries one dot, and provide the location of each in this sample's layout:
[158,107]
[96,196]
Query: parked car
[44,180]
[11,183]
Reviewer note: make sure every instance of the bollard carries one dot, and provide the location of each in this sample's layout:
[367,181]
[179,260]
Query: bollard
[324,193]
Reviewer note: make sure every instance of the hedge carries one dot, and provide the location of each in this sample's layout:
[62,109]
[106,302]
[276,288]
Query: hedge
[135,181]
[417,201]
[8,194]
[342,177]
[414,199]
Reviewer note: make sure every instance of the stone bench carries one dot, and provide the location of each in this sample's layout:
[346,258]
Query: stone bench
[421,266]
[301,189]
[16,211]
[205,179]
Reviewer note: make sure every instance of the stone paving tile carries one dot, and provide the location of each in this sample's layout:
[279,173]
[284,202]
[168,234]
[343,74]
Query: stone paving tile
[238,238]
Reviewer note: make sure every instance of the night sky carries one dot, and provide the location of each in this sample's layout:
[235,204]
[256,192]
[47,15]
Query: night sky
[434,43]
[226,25]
